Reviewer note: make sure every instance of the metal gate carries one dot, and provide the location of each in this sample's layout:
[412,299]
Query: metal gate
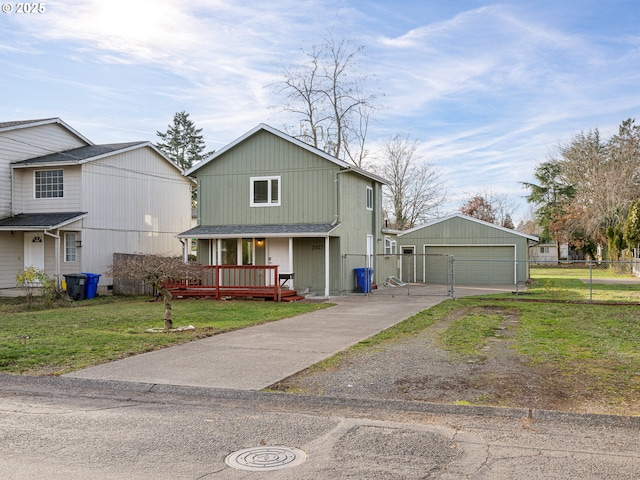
[397,274]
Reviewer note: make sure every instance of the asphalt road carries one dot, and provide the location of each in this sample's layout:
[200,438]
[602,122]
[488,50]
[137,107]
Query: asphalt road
[67,428]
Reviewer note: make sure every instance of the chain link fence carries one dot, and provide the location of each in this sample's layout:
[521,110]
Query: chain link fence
[446,275]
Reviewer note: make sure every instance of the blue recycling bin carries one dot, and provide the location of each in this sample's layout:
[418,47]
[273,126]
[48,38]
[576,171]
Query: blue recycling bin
[364,279]
[91,286]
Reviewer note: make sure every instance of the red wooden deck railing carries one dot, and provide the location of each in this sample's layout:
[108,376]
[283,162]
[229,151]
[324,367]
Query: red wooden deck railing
[231,280]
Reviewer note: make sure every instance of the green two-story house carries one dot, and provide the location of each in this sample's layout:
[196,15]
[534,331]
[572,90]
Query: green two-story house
[270,199]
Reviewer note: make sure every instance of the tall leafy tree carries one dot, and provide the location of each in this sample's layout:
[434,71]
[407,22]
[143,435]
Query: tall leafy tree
[552,197]
[606,178]
[183,143]
[632,233]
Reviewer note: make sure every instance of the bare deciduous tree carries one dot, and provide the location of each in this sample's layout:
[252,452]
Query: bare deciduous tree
[415,189]
[154,270]
[327,95]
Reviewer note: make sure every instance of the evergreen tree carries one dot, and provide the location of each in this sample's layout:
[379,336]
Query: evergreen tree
[183,142]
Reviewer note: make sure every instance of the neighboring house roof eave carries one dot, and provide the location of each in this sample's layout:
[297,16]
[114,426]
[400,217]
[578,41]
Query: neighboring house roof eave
[341,163]
[39,221]
[17,125]
[79,155]
[472,219]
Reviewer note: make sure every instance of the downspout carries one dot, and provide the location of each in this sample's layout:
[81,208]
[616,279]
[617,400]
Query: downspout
[337,185]
[57,253]
[13,212]
[326,240]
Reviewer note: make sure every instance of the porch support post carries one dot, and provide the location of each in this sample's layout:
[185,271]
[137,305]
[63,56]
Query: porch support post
[327,275]
[290,262]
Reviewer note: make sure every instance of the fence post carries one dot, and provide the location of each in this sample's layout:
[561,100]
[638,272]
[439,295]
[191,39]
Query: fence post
[517,283]
[590,281]
[453,278]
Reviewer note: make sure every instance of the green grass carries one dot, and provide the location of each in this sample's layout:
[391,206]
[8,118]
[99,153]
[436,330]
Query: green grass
[468,335]
[571,284]
[56,341]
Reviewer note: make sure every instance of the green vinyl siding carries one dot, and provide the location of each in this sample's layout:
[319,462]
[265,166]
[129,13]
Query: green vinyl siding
[482,254]
[307,184]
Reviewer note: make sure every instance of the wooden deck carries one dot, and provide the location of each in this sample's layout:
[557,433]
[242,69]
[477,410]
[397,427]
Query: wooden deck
[234,281]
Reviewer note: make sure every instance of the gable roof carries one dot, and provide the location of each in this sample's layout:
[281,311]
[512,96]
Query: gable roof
[77,155]
[90,153]
[471,219]
[316,151]
[16,125]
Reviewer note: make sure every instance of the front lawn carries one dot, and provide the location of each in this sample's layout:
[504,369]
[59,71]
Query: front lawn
[57,341]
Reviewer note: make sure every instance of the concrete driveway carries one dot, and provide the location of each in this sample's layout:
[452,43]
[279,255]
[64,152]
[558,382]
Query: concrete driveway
[256,357]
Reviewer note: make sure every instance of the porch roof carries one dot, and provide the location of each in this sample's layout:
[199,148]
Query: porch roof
[39,221]
[251,231]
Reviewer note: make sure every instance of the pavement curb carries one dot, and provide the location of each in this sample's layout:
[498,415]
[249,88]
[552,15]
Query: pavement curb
[176,394]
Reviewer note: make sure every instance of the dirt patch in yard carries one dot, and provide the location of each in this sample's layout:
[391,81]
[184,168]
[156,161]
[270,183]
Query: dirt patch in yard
[420,369]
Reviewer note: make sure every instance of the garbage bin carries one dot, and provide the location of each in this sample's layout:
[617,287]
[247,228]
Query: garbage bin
[364,279]
[91,287]
[76,285]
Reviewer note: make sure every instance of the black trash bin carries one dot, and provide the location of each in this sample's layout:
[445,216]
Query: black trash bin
[76,285]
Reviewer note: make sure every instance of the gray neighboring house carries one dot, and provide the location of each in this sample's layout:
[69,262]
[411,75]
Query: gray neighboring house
[67,205]
[483,253]
[269,199]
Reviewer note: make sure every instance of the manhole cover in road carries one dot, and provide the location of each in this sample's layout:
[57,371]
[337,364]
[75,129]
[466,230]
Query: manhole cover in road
[259,459]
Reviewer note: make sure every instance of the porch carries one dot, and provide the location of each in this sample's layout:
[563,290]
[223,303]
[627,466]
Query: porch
[235,281]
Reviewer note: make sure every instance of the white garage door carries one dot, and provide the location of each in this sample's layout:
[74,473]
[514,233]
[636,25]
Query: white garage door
[472,265]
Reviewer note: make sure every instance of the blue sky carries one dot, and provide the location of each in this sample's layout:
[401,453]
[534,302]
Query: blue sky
[488,90]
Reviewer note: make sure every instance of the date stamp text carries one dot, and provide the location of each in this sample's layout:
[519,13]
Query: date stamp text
[19,8]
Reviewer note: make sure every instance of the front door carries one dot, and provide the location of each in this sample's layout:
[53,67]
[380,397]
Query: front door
[34,250]
[278,254]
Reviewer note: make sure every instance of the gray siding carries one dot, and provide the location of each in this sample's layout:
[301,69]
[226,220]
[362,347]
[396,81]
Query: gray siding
[24,143]
[137,203]
[11,257]
[24,191]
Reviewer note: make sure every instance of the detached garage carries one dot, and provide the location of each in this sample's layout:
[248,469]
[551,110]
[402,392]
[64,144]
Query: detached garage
[472,251]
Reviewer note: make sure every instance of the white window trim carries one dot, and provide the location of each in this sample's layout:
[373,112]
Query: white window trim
[75,247]
[269,203]
[369,198]
[390,246]
[35,174]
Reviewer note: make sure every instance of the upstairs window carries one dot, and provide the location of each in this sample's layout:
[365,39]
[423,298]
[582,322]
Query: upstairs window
[390,246]
[49,184]
[265,191]
[369,199]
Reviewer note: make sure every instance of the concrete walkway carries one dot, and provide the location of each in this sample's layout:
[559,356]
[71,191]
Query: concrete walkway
[256,357]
